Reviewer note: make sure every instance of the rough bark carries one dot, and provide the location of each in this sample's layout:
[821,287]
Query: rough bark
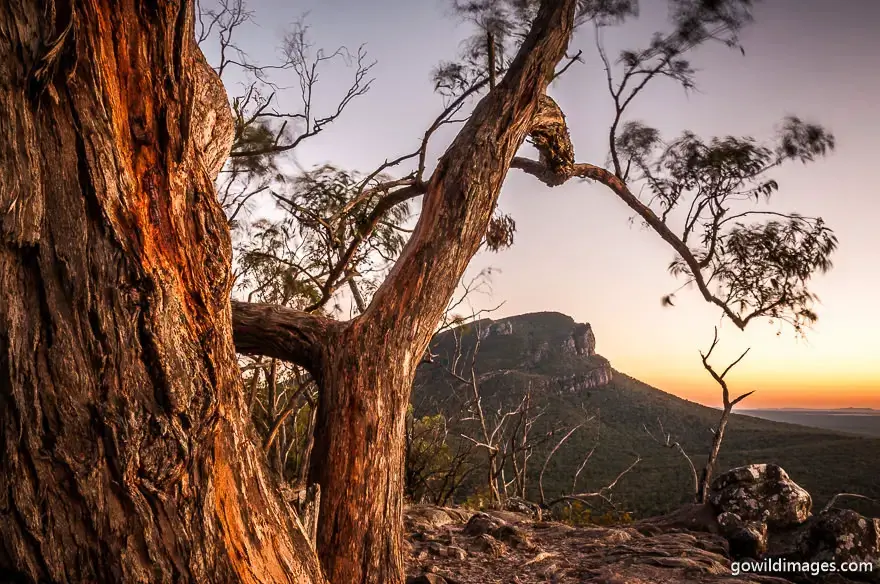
[282,333]
[365,367]
[125,450]
[360,434]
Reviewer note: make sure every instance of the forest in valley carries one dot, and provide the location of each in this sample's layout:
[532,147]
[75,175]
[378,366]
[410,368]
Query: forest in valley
[218,364]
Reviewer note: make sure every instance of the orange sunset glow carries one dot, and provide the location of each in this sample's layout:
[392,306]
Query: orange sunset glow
[576,251]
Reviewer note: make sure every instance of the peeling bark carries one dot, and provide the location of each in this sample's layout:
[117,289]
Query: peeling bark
[126,450]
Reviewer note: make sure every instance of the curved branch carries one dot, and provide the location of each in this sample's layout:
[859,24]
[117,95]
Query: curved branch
[464,188]
[619,187]
[378,213]
[282,333]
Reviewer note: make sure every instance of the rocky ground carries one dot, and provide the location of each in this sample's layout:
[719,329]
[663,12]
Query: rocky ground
[448,546]
[756,513]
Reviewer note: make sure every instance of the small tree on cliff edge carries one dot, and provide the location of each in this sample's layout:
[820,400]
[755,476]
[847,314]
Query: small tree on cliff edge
[127,454]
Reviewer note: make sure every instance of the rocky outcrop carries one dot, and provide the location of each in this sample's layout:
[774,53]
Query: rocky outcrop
[424,518]
[763,513]
[747,539]
[756,512]
[597,377]
[750,500]
[502,328]
[582,341]
[842,535]
[508,547]
[527,508]
[762,493]
[499,328]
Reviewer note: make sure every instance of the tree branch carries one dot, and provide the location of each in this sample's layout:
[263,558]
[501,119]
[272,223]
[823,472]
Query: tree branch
[465,185]
[589,171]
[282,333]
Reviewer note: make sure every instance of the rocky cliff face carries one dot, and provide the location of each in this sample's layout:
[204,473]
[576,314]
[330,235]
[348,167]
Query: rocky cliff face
[551,348]
[583,341]
[592,379]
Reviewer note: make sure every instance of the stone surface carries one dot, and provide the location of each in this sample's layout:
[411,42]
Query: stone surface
[575,555]
[842,535]
[488,545]
[691,517]
[583,339]
[747,539]
[578,382]
[528,508]
[513,536]
[420,518]
[761,492]
[482,523]
[502,328]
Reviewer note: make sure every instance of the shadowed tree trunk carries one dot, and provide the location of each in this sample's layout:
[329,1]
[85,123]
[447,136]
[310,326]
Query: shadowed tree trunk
[125,450]
[365,367]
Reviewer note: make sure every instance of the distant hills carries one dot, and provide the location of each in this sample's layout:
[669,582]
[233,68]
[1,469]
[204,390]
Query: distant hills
[555,358]
[865,421]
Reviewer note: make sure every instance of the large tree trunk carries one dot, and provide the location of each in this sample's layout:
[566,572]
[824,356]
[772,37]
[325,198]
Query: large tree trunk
[368,366]
[358,458]
[125,450]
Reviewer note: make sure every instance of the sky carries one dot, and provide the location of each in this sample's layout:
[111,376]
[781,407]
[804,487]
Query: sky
[576,251]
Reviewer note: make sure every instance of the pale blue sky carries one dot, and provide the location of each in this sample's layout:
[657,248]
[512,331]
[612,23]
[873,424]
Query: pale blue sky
[575,250]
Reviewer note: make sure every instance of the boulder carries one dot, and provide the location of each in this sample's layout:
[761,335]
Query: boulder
[488,545]
[762,493]
[482,523]
[747,539]
[842,536]
[421,518]
[518,505]
[456,552]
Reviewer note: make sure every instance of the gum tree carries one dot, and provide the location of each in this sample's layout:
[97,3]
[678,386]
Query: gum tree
[127,453]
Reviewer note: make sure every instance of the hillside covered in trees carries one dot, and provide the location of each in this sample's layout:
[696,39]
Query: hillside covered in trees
[552,358]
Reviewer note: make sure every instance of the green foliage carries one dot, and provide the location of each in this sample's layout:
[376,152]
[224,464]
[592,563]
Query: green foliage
[436,463]
[507,22]
[762,269]
[289,261]
[478,500]
[578,513]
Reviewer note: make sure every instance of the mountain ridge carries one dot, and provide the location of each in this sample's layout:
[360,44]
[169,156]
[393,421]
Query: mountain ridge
[554,358]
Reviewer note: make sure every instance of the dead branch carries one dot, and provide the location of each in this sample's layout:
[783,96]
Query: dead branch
[834,499]
[728,404]
[550,455]
[666,441]
[601,493]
